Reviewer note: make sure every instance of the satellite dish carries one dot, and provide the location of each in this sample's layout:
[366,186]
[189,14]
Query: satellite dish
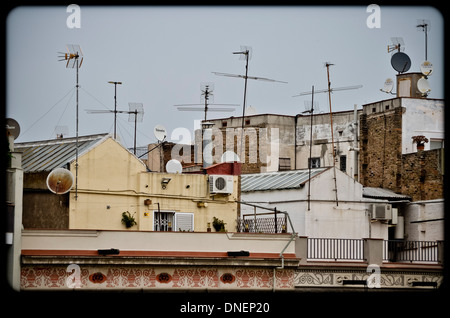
[388,85]
[423,86]
[60,181]
[426,68]
[160,132]
[401,62]
[12,128]
[229,156]
[174,166]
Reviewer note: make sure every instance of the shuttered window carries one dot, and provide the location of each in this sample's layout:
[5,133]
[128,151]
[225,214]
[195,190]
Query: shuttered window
[184,222]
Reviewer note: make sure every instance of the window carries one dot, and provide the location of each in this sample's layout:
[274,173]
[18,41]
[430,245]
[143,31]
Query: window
[171,221]
[343,163]
[314,163]
[224,124]
[284,164]
[247,122]
[436,144]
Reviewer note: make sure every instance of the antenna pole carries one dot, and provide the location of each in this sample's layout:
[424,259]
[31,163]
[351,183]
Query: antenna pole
[310,149]
[245,97]
[115,105]
[135,125]
[332,136]
[206,101]
[115,108]
[76,152]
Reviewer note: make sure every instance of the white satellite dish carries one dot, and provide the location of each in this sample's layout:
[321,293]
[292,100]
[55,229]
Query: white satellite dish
[388,85]
[12,128]
[174,166]
[160,132]
[60,181]
[423,86]
[229,156]
[426,68]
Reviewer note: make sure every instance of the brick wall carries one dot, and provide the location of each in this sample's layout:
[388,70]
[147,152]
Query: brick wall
[422,175]
[419,174]
[381,149]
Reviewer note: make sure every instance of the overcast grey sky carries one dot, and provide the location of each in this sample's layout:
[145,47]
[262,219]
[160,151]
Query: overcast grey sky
[163,54]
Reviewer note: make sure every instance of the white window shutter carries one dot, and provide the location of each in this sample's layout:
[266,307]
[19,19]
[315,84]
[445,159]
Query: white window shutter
[184,222]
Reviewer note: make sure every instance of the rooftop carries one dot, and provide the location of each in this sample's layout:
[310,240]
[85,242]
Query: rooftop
[381,193]
[292,179]
[47,155]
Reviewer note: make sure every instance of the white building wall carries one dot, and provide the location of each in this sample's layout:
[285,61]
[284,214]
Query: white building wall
[421,117]
[325,219]
[422,211]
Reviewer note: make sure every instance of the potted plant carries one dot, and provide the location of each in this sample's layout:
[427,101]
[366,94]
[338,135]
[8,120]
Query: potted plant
[128,220]
[218,225]
[420,141]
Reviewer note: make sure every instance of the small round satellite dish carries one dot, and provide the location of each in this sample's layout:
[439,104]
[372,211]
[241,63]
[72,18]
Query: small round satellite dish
[388,85]
[401,62]
[229,156]
[12,128]
[426,68]
[60,181]
[160,132]
[174,166]
[423,86]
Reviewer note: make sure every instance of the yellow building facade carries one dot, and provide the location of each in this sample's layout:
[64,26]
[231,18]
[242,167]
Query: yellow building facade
[111,181]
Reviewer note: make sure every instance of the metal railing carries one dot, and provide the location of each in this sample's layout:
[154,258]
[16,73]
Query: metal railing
[335,248]
[410,251]
[258,224]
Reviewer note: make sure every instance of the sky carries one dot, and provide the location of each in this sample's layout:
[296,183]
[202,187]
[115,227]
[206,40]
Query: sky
[163,55]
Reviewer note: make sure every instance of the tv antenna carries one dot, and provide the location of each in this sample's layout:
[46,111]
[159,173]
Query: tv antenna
[207,95]
[400,61]
[74,58]
[330,90]
[136,114]
[424,25]
[245,54]
[115,104]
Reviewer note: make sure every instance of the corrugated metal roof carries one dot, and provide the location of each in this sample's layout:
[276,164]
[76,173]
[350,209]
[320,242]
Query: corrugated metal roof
[381,193]
[47,155]
[277,180]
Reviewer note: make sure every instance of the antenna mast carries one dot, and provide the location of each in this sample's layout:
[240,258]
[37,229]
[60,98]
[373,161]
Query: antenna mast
[424,24]
[206,89]
[246,53]
[73,55]
[115,104]
[329,91]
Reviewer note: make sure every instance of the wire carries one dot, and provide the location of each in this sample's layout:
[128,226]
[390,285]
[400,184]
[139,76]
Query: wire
[47,111]
[54,130]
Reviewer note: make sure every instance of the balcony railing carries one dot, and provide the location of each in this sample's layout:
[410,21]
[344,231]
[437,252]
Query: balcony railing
[336,249]
[393,250]
[410,251]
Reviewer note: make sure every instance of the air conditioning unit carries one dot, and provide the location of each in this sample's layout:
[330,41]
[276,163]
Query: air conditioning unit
[381,212]
[221,184]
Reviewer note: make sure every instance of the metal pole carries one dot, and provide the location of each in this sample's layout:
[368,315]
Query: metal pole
[135,125]
[310,149]
[76,139]
[115,108]
[276,222]
[332,136]
[245,97]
